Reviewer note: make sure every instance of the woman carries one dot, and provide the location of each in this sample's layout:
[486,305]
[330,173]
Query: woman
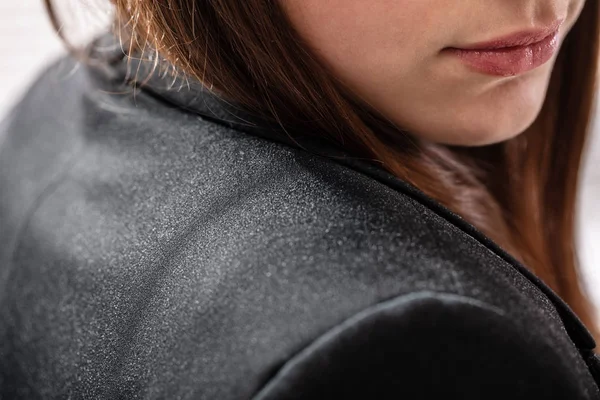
[303,199]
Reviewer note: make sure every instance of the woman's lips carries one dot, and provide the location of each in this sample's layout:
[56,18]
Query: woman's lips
[512,60]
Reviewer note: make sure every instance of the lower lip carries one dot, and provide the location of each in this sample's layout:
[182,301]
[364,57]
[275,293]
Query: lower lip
[509,61]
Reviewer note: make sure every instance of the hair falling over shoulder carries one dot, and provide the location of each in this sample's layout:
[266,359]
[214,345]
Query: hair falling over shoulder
[521,193]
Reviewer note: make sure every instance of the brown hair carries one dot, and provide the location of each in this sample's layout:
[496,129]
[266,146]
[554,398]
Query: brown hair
[521,193]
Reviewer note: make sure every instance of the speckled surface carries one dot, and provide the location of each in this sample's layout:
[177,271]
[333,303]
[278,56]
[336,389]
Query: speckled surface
[149,252]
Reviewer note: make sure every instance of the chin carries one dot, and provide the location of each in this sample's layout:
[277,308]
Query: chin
[508,111]
[488,131]
[494,125]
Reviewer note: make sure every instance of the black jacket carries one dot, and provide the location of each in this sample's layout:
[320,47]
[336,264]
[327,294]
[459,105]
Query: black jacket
[156,245]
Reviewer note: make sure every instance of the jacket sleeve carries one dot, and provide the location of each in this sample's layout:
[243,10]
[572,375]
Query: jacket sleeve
[426,346]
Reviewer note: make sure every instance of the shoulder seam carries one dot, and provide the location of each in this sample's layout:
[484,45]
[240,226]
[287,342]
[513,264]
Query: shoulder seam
[43,194]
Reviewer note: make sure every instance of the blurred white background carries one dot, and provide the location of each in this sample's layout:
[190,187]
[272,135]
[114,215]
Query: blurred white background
[28,43]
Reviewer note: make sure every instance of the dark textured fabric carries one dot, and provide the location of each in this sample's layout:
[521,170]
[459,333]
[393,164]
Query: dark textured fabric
[158,245]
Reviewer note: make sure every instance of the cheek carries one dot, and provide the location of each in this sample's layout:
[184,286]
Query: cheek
[354,38]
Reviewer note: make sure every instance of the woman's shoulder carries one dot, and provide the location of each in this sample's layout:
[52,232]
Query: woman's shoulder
[169,243]
[83,144]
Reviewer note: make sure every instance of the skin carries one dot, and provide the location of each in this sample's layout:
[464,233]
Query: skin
[388,52]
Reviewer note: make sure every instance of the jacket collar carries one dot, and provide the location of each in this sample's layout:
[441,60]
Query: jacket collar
[193,97]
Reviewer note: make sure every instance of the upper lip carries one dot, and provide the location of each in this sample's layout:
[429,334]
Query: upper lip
[521,38]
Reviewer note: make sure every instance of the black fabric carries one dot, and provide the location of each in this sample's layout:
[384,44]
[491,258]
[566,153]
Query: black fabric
[160,243]
[424,345]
